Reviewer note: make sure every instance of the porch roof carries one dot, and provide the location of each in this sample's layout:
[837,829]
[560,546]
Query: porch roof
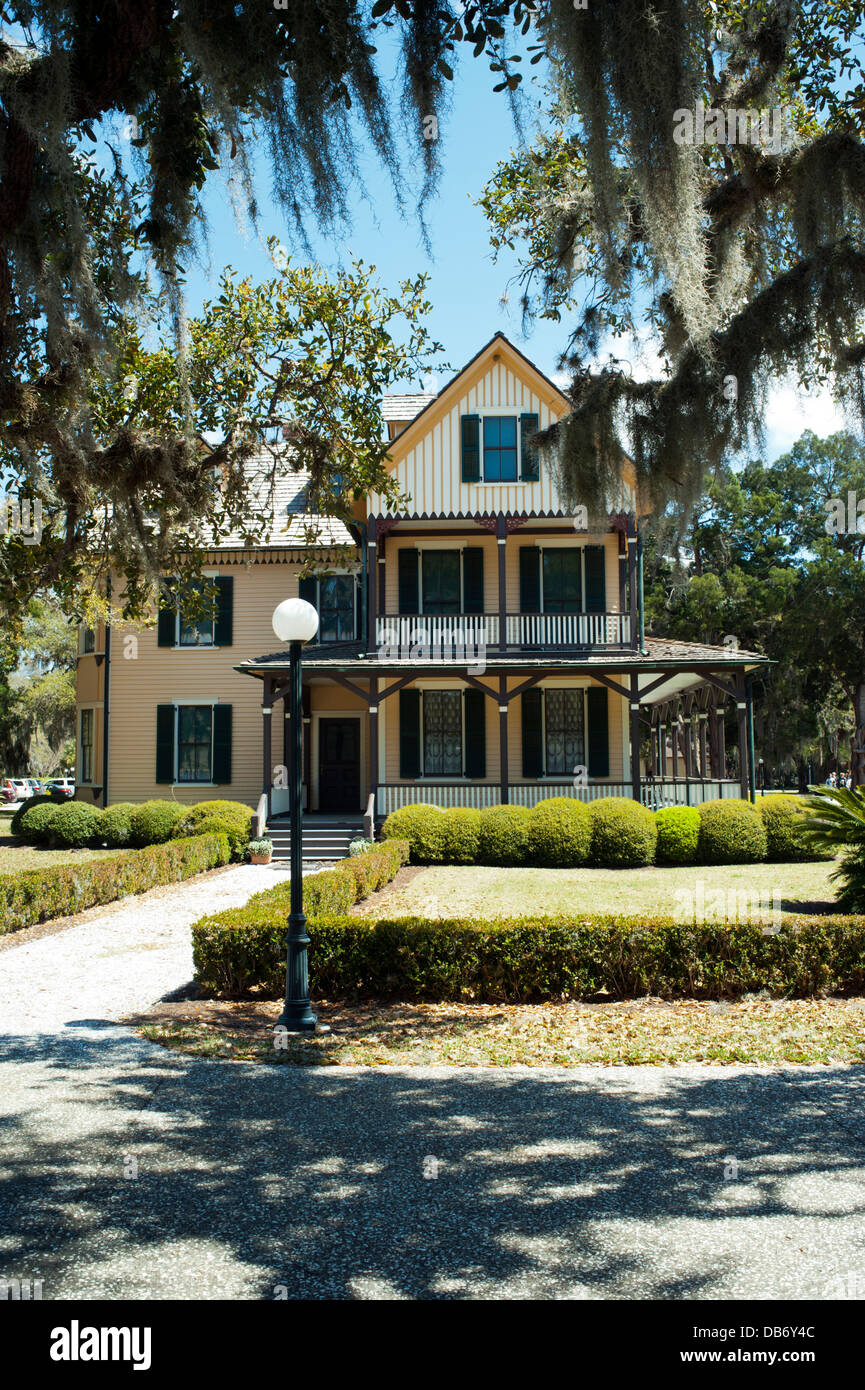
[685,663]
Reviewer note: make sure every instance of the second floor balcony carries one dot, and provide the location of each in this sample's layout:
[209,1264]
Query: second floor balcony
[429,634]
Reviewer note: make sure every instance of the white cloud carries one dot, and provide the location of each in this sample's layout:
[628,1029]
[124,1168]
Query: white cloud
[790,411]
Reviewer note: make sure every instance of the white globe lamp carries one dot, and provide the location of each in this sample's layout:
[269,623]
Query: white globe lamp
[295,620]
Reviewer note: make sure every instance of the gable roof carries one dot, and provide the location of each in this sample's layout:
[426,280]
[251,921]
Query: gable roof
[548,389]
[405,406]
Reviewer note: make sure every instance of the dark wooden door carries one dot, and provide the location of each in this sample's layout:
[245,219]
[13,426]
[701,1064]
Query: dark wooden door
[339,765]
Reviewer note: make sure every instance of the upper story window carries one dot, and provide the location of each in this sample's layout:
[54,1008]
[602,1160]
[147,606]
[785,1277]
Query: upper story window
[441,581]
[86,746]
[334,596]
[498,448]
[88,639]
[178,629]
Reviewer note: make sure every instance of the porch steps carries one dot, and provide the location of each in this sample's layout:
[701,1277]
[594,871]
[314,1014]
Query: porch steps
[325,838]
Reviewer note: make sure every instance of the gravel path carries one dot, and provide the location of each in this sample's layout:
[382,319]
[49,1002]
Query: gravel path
[119,958]
[131,1172]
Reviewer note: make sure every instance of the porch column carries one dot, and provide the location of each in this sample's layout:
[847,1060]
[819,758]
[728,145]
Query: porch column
[632,583]
[373,738]
[742,720]
[749,700]
[266,715]
[702,721]
[382,575]
[687,728]
[503,739]
[371,585]
[501,544]
[720,730]
[662,741]
[636,787]
[674,741]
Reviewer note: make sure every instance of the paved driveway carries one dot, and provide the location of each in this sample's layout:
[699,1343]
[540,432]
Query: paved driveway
[131,1172]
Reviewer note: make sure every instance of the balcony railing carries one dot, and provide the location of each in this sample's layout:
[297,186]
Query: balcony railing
[392,795]
[448,635]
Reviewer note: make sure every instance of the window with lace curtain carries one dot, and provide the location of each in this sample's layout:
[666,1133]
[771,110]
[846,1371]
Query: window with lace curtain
[442,733]
[564,731]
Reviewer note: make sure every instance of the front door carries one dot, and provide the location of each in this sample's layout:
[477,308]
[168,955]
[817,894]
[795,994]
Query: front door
[339,765]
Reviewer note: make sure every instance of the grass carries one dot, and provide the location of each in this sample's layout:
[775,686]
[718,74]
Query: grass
[477,891]
[15,856]
[754,1030]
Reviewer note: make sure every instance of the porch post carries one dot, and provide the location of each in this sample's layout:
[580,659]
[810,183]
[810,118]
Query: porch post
[373,738]
[742,718]
[720,729]
[371,584]
[635,737]
[503,732]
[674,740]
[266,719]
[702,719]
[662,741]
[501,545]
[749,700]
[632,583]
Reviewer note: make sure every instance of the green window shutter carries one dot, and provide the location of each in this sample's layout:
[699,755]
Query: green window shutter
[596,580]
[223,628]
[409,733]
[530,579]
[409,598]
[475,728]
[307,589]
[533,761]
[598,736]
[165,743]
[470,448]
[221,743]
[530,463]
[473,580]
[166,623]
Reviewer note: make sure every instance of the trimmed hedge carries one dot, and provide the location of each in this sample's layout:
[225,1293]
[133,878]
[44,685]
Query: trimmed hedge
[421,826]
[35,822]
[237,835]
[623,833]
[43,799]
[784,817]
[678,830]
[36,895]
[525,959]
[235,811]
[731,832]
[115,825]
[75,824]
[560,833]
[503,837]
[236,942]
[153,822]
[460,835]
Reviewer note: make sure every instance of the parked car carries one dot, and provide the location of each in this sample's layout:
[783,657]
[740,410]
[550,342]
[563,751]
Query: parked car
[64,785]
[35,785]
[21,787]
[7,790]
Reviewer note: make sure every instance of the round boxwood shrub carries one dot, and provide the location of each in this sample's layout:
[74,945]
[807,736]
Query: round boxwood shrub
[504,835]
[783,817]
[678,830]
[115,825]
[153,822]
[30,805]
[237,835]
[421,825]
[76,824]
[234,811]
[623,833]
[460,835]
[731,832]
[35,821]
[560,832]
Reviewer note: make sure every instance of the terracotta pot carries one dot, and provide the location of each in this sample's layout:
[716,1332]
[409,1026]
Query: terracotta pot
[260,858]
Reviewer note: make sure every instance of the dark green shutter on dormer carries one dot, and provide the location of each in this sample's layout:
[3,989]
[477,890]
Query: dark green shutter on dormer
[223,628]
[165,743]
[596,581]
[475,729]
[530,464]
[222,744]
[470,448]
[407,566]
[533,760]
[307,589]
[530,579]
[597,697]
[166,622]
[473,580]
[409,733]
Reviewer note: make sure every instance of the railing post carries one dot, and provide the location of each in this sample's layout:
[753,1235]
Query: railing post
[501,546]
[371,585]
[266,721]
[635,737]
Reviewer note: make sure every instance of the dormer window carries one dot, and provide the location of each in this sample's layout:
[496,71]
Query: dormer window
[500,449]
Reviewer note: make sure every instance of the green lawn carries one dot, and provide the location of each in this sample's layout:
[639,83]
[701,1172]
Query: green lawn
[476,891]
[16,856]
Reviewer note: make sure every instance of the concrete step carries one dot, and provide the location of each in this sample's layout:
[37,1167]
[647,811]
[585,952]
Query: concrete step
[318,843]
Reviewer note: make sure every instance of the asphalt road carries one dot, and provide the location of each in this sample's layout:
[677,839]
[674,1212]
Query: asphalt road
[129,1172]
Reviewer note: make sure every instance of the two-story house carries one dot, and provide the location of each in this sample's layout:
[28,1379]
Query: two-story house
[479,647]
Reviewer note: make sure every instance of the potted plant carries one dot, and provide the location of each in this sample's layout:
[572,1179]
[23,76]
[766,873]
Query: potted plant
[260,851]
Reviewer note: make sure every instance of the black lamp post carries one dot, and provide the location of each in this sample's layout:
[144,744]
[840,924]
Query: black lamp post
[295,621]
